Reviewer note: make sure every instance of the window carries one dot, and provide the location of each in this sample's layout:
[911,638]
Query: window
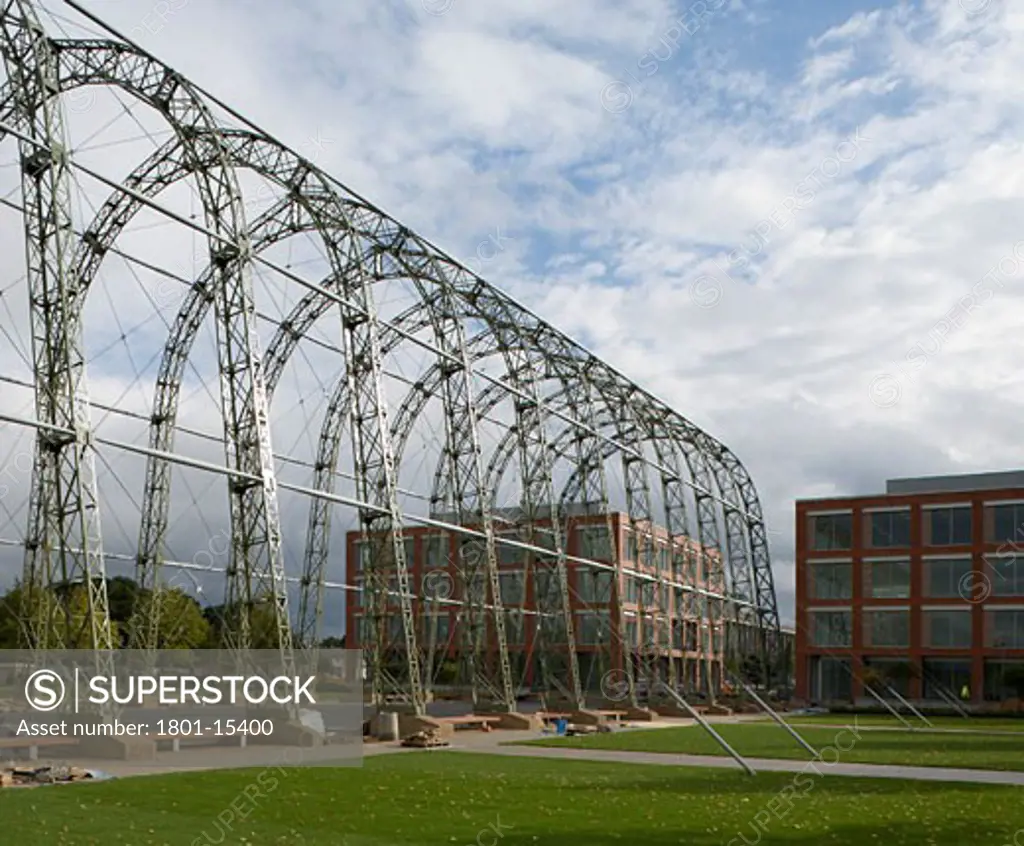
[632,594]
[946,629]
[631,638]
[546,587]
[831,628]
[663,560]
[944,679]
[436,627]
[435,553]
[830,679]
[514,628]
[473,586]
[513,588]
[690,633]
[887,579]
[1007,522]
[677,634]
[508,556]
[362,556]
[543,537]
[594,543]
[948,526]
[1005,629]
[946,578]
[1005,575]
[684,563]
[383,548]
[652,635]
[630,547]
[592,628]
[552,629]
[831,531]
[363,632]
[889,528]
[828,580]
[892,673]
[1004,680]
[886,628]
[645,552]
[594,585]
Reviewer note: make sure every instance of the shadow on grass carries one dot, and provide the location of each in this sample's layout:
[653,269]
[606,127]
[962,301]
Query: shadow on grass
[906,834]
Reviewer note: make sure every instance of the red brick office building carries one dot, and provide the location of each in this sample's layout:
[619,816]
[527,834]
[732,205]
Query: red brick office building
[676,613]
[922,585]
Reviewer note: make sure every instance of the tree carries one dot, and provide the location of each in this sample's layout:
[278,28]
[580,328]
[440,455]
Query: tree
[262,624]
[11,636]
[752,670]
[122,594]
[182,623]
[70,615]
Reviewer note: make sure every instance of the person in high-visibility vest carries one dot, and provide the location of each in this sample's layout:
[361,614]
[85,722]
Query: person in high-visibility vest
[965,693]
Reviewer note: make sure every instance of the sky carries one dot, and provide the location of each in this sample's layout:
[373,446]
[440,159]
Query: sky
[795,222]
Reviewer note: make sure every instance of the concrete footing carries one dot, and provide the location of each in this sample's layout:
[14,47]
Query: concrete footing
[411,724]
[117,748]
[718,711]
[519,722]
[586,718]
[670,709]
[640,715]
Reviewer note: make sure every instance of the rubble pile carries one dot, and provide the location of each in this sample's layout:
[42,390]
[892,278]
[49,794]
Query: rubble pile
[425,739]
[27,776]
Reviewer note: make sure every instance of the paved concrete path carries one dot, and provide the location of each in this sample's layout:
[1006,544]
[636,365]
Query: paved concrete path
[759,764]
[917,727]
[489,744]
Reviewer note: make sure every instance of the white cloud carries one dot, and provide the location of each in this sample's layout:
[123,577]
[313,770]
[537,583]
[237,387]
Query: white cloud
[489,117]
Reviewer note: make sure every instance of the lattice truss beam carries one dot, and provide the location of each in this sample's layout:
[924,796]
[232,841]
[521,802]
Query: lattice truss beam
[439,382]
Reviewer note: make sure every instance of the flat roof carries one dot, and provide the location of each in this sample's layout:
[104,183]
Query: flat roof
[961,483]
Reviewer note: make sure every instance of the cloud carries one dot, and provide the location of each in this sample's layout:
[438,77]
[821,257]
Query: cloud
[489,118]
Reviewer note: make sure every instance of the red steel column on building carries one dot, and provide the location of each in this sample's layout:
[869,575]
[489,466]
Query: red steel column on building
[978,536]
[857,528]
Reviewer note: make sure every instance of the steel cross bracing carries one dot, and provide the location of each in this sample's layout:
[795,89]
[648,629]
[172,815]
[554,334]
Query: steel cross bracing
[64,543]
[256,573]
[557,643]
[589,485]
[464,491]
[554,431]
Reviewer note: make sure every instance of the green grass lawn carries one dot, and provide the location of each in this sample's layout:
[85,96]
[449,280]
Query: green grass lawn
[430,799]
[887,720]
[768,740]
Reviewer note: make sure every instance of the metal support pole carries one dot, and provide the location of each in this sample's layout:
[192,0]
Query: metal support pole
[887,706]
[775,716]
[913,710]
[952,701]
[704,724]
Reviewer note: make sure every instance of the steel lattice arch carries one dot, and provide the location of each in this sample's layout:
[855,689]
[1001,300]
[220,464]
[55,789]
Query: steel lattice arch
[525,417]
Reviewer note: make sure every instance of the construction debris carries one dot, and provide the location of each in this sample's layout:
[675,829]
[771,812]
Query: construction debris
[29,776]
[428,739]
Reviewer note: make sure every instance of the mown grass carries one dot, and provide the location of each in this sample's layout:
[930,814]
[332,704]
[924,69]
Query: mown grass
[452,798]
[867,745]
